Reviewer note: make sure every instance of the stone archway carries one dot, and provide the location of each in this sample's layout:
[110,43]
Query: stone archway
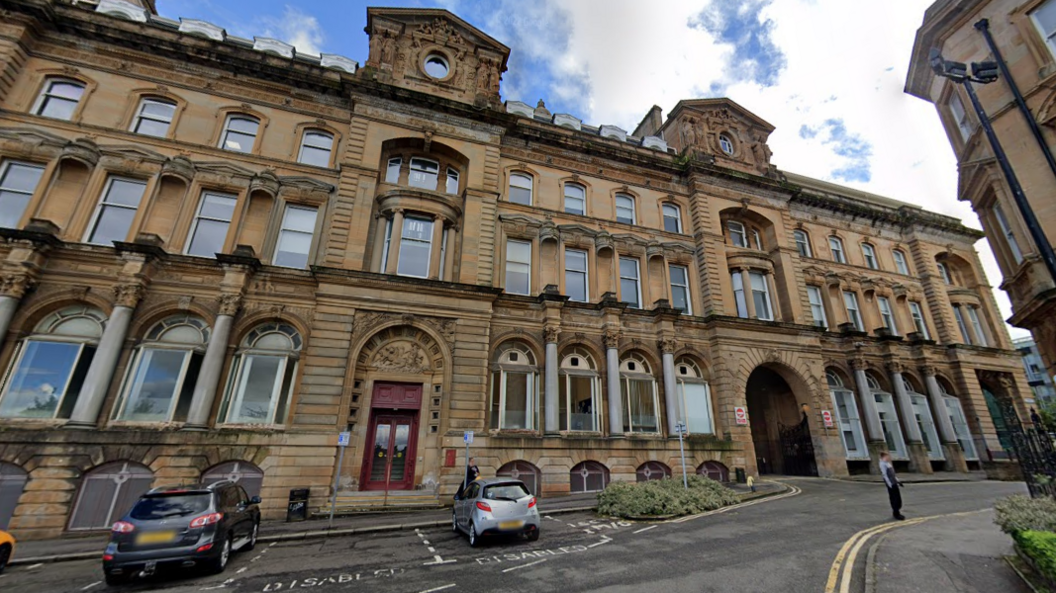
[780,430]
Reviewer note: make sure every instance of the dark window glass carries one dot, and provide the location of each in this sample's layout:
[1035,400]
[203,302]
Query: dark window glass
[506,492]
[170,505]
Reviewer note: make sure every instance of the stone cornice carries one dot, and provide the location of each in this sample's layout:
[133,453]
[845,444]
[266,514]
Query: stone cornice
[385,281]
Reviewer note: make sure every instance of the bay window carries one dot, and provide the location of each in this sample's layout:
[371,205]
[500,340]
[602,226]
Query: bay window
[638,391]
[738,236]
[163,371]
[18,181]
[49,366]
[415,247]
[961,324]
[514,385]
[518,266]
[579,393]
[694,398]
[392,170]
[980,335]
[452,181]
[761,296]
[630,282]
[262,376]
[576,275]
[944,271]
[424,173]
[113,216]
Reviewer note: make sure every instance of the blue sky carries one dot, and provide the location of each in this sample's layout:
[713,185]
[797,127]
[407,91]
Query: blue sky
[831,87]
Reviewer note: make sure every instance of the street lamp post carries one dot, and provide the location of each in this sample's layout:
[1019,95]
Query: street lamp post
[985,73]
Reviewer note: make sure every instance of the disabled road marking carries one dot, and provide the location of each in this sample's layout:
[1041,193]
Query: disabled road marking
[437,559]
[645,529]
[525,565]
[435,589]
[90,586]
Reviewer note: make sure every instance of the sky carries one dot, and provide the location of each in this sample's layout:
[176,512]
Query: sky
[830,86]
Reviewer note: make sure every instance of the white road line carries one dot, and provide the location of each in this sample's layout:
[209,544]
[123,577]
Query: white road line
[604,540]
[272,544]
[220,586]
[438,560]
[647,528]
[438,588]
[90,586]
[525,565]
[425,541]
[551,518]
[242,570]
[792,492]
[38,565]
[432,549]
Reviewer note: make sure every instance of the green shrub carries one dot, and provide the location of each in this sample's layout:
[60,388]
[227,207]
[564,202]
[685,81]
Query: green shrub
[1039,546]
[1022,513]
[666,497]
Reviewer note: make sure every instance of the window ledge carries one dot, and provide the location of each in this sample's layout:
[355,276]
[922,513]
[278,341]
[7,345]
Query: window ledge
[261,428]
[581,434]
[513,432]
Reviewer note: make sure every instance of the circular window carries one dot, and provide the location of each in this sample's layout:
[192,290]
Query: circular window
[725,144]
[436,66]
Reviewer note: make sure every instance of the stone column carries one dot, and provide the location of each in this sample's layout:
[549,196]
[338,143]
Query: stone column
[667,349]
[449,255]
[551,404]
[746,290]
[12,288]
[101,371]
[918,453]
[971,337]
[209,374]
[434,253]
[951,446]
[612,373]
[394,242]
[872,415]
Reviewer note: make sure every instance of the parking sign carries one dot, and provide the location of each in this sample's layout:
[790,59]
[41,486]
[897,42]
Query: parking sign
[343,439]
[467,437]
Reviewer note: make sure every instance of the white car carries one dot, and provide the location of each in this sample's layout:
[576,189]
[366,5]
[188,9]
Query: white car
[496,506]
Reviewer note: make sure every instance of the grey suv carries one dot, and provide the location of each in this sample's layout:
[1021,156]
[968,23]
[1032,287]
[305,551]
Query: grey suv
[182,526]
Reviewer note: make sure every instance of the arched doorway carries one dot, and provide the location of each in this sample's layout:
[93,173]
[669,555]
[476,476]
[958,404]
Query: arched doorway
[780,431]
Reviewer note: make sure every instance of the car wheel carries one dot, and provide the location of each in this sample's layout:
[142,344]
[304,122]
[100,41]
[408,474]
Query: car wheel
[252,537]
[534,535]
[225,554]
[454,522]
[474,540]
[114,580]
[5,555]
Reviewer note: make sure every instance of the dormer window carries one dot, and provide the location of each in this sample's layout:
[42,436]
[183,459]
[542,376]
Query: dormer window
[423,173]
[726,144]
[436,66]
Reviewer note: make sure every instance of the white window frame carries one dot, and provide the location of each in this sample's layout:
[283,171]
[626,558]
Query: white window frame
[499,373]
[836,247]
[5,168]
[566,373]
[960,425]
[869,254]
[425,173]
[140,115]
[1006,231]
[817,309]
[683,287]
[198,216]
[850,302]
[515,182]
[739,298]
[526,264]
[850,422]
[803,243]
[283,229]
[917,312]
[582,198]
[738,234]
[46,94]
[396,162]
[404,239]
[385,247]
[103,205]
[944,271]
[900,261]
[145,353]
[452,176]
[633,219]
[887,314]
[584,274]
[962,324]
[241,378]
[1049,37]
[227,130]
[959,115]
[637,282]
[762,278]
[329,147]
[625,394]
[684,378]
[757,240]
[671,212]
[977,325]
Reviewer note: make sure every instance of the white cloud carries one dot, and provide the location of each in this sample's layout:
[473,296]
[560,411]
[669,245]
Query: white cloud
[300,30]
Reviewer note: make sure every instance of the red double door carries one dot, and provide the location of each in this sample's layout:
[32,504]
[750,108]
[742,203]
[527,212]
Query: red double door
[388,462]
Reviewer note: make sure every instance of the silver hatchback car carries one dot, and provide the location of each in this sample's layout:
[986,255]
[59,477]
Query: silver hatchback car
[496,506]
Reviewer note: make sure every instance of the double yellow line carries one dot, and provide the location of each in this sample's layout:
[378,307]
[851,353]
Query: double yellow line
[845,559]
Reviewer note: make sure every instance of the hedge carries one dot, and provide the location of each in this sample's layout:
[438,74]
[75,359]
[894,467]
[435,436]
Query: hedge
[1022,513]
[1040,547]
[664,498]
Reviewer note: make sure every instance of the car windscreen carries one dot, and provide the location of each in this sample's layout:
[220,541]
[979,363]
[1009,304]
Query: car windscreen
[170,505]
[505,492]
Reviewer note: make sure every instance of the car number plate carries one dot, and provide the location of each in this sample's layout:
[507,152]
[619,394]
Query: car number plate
[155,537]
[511,524]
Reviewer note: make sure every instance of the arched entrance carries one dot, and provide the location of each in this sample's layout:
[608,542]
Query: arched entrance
[780,431]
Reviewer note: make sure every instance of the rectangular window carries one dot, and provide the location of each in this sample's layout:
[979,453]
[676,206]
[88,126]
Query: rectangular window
[240,133]
[161,385]
[316,146]
[624,209]
[918,319]
[900,262]
[738,294]
[973,315]
[153,117]
[18,181]
[1006,230]
[641,414]
[520,189]
[576,275]
[630,288]
[1044,18]
[518,267]
[117,208]
[870,256]
[59,98]
[960,116]
[45,379]
[696,401]
[850,300]
[944,271]
[415,248]
[575,199]
[737,234]
[385,248]
[295,237]
[423,174]
[761,296]
[209,231]
[756,240]
[817,306]
[887,316]
[836,246]
[260,389]
[672,218]
[959,315]
[392,170]
[452,181]
[680,289]
[802,243]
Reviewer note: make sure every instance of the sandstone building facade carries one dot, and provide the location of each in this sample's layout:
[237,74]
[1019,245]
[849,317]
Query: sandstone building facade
[1023,32]
[218,254]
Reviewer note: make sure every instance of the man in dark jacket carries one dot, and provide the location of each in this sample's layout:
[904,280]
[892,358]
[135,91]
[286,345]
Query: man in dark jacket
[887,470]
[472,473]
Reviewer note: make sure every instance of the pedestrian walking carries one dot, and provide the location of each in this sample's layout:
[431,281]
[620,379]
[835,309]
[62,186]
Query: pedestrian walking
[887,470]
[751,483]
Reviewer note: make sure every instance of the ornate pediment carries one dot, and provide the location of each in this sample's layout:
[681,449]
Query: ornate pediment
[434,51]
[723,130]
[224,169]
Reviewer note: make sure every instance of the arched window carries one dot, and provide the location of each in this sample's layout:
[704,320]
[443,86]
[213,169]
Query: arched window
[243,473]
[579,392]
[850,422]
[672,218]
[153,117]
[625,209]
[869,254]
[59,98]
[262,375]
[575,199]
[588,476]
[836,247]
[900,262]
[520,189]
[12,482]
[514,388]
[50,365]
[652,470]
[803,243]
[737,232]
[641,409]
[162,375]
[725,144]
[525,472]
[108,492]
[694,398]
[240,133]
[889,423]
[715,471]
[922,416]
[316,146]
[960,423]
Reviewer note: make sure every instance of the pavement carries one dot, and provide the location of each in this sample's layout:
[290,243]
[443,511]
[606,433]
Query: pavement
[790,542]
